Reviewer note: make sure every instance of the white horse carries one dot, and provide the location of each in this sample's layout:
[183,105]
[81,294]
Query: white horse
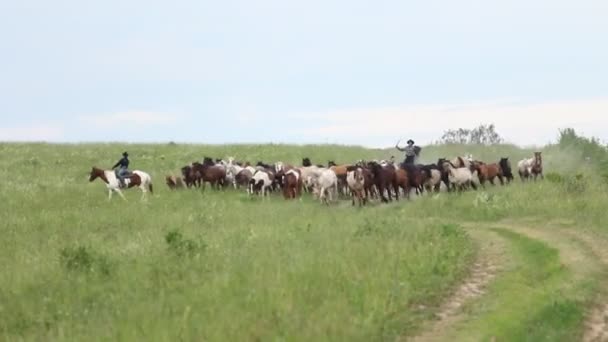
[524,167]
[138,178]
[460,176]
[326,183]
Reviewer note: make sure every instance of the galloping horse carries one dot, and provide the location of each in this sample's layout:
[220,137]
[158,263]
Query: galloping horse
[137,178]
[537,165]
[531,167]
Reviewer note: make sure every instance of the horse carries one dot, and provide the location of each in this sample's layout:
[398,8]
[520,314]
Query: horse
[459,162]
[261,181]
[384,178]
[505,166]
[402,181]
[356,181]
[208,172]
[488,172]
[524,167]
[460,177]
[174,182]
[137,178]
[326,184]
[292,184]
[242,178]
[415,176]
[187,176]
[340,171]
[537,166]
[432,177]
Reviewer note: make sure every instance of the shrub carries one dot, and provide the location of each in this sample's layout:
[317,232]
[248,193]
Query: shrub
[84,259]
[554,177]
[181,246]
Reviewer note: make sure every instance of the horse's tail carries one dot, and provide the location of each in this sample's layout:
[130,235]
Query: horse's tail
[151,188]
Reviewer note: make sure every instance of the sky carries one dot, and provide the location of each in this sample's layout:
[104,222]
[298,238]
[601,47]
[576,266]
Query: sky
[345,72]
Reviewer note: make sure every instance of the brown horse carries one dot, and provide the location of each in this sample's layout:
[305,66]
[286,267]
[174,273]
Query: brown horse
[383,179]
[205,173]
[292,184]
[340,171]
[402,182]
[242,178]
[416,176]
[488,172]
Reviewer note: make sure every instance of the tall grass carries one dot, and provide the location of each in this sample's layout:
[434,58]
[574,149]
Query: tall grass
[221,266]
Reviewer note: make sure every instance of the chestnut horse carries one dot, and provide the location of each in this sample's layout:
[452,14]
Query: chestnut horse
[137,178]
[292,184]
[208,173]
[488,172]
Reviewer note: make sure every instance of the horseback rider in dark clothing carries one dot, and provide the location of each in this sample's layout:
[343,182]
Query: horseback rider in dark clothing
[411,151]
[123,169]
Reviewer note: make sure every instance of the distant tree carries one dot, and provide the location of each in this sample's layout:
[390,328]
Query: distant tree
[483,134]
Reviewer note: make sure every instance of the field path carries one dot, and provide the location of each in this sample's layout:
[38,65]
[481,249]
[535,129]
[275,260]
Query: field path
[584,254]
[597,321]
[488,262]
[596,325]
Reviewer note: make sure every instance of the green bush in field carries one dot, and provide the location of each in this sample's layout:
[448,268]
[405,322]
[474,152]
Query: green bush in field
[554,177]
[84,259]
[182,246]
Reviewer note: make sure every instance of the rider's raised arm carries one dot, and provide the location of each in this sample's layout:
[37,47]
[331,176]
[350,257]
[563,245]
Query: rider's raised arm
[115,165]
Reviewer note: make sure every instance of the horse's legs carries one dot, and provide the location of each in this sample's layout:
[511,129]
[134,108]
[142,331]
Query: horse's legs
[121,195]
[109,194]
[144,192]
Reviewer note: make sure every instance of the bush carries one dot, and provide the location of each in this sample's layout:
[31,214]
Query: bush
[575,185]
[180,246]
[554,177]
[84,259]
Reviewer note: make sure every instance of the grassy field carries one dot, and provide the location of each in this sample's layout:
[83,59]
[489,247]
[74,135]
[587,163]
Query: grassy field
[219,266]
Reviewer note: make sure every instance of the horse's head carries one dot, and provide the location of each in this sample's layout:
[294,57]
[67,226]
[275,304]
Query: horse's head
[306,162]
[95,172]
[538,157]
[208,161]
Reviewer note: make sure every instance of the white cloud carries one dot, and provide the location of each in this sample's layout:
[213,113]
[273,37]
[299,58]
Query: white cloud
[33,132]
[520,123]
[130,118]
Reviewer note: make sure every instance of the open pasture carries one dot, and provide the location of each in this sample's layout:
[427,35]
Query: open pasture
[221,265]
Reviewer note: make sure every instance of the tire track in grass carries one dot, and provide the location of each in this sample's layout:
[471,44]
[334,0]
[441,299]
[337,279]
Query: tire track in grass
[488,262]
[596,325]
[553,305]
[583,265]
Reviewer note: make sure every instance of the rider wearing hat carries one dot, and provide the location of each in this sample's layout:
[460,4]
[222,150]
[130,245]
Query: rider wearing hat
[411,151]
[123,166]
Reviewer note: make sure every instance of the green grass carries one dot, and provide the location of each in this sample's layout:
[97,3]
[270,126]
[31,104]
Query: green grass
[221,266]
[531,302]
[212,266]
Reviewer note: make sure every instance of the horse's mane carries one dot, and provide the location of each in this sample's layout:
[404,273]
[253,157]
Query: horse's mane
[460,160]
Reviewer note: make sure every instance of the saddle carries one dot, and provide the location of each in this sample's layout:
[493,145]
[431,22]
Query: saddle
[125,178]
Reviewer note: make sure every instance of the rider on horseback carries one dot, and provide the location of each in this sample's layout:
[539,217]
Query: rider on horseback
[122,171]
[411,151]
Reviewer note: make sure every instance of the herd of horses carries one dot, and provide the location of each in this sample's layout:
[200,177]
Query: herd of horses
[361,181]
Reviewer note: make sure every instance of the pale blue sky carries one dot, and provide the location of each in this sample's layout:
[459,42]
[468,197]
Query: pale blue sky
[362,72]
